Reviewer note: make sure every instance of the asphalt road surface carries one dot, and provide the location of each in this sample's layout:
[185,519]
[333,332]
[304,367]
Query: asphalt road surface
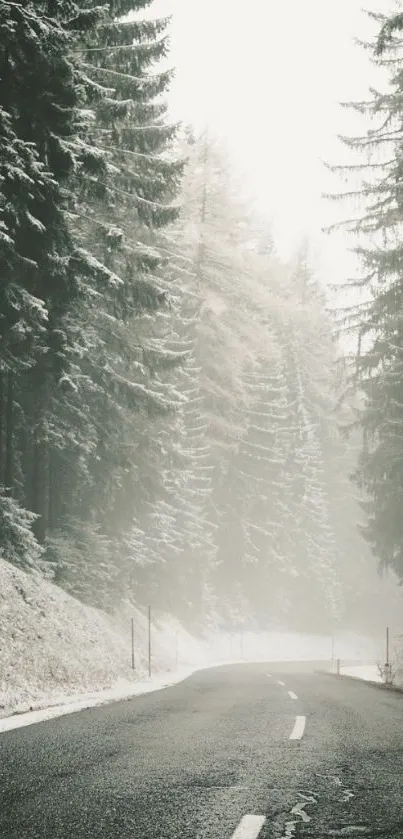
[237,751]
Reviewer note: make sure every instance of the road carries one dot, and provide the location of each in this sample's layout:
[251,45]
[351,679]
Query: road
[200,759]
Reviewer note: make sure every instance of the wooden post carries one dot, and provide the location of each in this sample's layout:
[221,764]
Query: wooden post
[132,622]
[149,642]
[338,667]
[387,645]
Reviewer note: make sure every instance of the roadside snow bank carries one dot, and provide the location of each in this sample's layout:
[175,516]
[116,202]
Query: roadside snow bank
[369,672]
[53,646]
[71,704]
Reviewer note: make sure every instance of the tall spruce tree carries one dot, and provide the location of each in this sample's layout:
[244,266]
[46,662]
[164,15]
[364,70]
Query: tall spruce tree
[376,318]
[123,356]
[85,184]
[39,136]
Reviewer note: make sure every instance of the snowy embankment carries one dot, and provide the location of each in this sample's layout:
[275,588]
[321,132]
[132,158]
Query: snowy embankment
[367,672]
[54,648]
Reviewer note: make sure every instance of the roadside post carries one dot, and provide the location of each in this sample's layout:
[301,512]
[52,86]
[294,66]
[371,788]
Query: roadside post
[149,642]
[132,628]
[388,666]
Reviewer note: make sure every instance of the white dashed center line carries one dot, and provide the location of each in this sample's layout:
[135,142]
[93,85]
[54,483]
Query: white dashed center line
[279,682]
[292,695]
[249,827]
[298,729]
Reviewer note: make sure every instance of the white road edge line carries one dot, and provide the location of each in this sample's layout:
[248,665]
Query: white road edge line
[249,827]
[298,729]
[279,682]
[292,695]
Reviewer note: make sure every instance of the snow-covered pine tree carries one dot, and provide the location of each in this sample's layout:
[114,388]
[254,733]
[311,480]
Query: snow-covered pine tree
[309,357]
[377,315]
[260,480]
[285,546]
[40,150]
[213,233]
[90,384]
[121,366]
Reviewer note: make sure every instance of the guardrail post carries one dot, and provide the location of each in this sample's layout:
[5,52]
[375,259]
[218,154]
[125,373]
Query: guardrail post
[149,641]
[338,667]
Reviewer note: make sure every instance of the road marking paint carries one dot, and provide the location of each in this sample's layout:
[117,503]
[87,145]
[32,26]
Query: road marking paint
[279,682]
[269,676]
[249,827]
[292,695]
[298,729]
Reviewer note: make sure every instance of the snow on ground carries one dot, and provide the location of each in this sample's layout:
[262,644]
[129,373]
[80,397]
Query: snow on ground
[71,704]
[58,655]
[51,645]
[368,672]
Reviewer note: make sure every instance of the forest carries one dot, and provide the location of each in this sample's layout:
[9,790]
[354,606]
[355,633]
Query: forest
[180,422]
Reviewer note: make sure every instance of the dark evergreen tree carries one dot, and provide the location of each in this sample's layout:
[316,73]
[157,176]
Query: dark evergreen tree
[40,150]
[376,317]
[86,181]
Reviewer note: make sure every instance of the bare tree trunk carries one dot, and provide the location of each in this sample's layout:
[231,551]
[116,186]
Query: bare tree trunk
[40,461]
[40,480]
[1,427]
[54,490]
[9,463]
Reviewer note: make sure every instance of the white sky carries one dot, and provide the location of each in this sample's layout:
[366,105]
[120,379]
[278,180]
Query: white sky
[269,76]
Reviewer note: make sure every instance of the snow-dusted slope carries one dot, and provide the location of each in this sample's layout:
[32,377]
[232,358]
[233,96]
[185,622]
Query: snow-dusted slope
[52,645]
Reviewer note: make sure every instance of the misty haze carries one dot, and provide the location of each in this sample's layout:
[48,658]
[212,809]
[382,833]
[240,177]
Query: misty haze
[201,419]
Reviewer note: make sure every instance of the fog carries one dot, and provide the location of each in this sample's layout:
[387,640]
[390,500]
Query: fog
[182,427]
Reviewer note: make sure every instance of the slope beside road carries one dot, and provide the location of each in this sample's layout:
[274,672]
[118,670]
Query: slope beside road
[264,749]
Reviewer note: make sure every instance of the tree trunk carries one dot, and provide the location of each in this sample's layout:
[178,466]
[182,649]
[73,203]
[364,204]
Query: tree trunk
[55,491]
[8,467]
[1,427]
[40,479]
[40,460]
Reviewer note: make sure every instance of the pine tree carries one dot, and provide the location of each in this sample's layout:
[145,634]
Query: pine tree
[40,150]
[376,319]
[98,181]
[212,235]
[285,546]
[120,364]
[309,355]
